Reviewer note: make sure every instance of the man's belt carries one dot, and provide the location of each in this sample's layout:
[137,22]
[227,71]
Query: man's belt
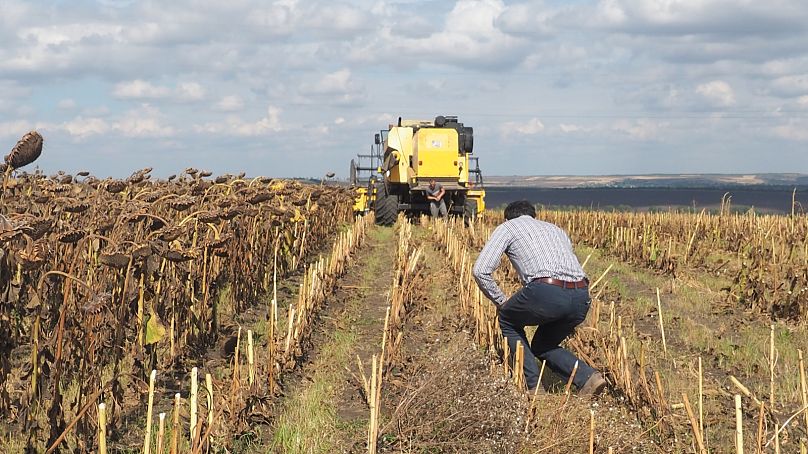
[583,283]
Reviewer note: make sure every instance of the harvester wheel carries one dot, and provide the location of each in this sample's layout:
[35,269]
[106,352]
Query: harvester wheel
[469,211]
[386,207]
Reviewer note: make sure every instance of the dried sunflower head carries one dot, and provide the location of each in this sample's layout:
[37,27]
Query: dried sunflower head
[60,188]
[142,252]
[208,217]
[201,187]
[9,235]
[105,224]
[220,242]
[277,211]
[115,186]
[77,207]
[173,255]
[231,213]
[71,237]
[26,151]
[151,197]
[34,255]
[260,197]
[115,260]
[139,175]
[171,233]
[182,203]
[37,228]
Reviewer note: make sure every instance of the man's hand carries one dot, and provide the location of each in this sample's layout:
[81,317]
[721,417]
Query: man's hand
[500,306]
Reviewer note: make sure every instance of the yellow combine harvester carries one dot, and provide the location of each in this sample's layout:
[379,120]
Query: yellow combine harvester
[411,153]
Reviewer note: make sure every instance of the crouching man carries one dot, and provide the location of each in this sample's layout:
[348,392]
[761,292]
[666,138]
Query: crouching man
[435,193]
[554,296]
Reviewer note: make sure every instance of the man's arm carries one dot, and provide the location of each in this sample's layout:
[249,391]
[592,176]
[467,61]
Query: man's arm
[440,193]
[488,261]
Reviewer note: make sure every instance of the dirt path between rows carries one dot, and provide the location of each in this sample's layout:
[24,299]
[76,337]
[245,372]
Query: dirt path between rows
[442,392]
[323,409]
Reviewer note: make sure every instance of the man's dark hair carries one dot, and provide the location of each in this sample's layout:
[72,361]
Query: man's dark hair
[519,208]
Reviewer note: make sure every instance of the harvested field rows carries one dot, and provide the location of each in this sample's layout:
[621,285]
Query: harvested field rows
[276,322]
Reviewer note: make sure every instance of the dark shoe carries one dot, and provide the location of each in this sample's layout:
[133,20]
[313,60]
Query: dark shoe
[594,386]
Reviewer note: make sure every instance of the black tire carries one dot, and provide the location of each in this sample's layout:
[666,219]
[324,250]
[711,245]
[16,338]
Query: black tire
[469,211]
[386,207]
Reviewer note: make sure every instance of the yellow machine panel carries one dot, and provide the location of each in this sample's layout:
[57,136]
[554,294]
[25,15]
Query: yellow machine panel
[397,162]
[435,154]
[361,200]
[478,196]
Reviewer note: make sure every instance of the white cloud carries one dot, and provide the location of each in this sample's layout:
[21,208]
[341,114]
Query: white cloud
[467,36]
[532,19]
[235,126]
[648,69]
[66,104]
[793,85]
[570,128]
[145,121]
[81,127]
[140,89]
[15,128]
[190,91]
[337,19]
[230,103]
[732,17]
[143,90]
[530,127]
[718,93]
[795,130]
[642,129]
[270,123]
[338,87]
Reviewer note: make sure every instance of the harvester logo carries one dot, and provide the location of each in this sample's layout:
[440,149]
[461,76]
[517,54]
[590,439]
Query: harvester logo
[436,144]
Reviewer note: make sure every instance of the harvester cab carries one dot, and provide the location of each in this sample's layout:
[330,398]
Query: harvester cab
[414,152]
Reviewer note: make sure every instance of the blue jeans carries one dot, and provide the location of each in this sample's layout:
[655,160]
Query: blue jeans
[556,312]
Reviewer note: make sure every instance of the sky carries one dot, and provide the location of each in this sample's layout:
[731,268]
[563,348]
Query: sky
[294,88]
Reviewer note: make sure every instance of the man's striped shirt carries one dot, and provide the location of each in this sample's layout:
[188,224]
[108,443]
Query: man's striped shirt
[535,248]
